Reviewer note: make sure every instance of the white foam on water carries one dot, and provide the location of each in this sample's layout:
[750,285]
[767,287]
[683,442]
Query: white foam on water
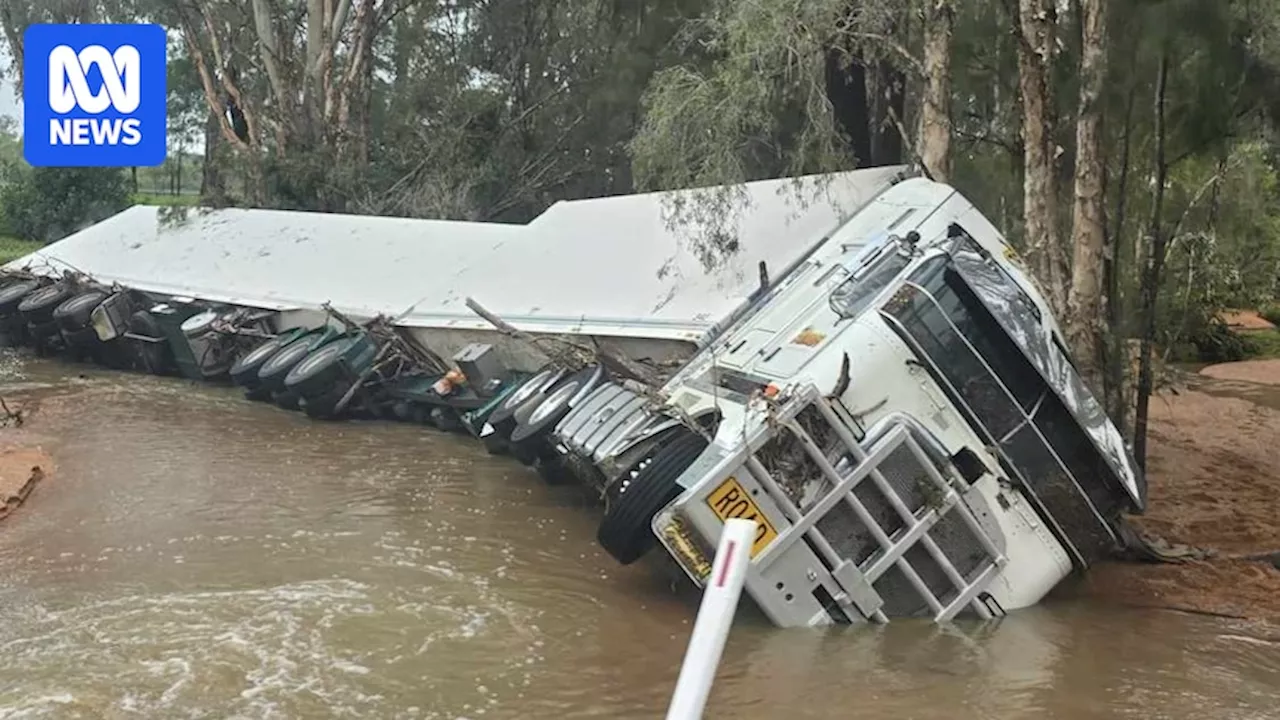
[335,646]
[35,706]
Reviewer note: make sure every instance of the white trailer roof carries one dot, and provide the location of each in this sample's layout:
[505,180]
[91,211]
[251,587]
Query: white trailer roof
[606,266]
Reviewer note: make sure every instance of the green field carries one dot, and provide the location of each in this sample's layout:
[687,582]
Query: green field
[1266,343]
[12,248]
[164,200]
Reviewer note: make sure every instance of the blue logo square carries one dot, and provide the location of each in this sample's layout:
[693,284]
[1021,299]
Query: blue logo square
[94,95]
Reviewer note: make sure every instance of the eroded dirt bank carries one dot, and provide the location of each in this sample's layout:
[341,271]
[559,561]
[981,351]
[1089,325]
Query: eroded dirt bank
[1214,484]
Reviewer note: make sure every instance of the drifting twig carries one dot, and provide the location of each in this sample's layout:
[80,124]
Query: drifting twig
[361,379]
[17,417]
[386,333]
[616,365]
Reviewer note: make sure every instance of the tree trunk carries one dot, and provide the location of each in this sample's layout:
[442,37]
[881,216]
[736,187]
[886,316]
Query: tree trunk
[933,138]
[1086,302]
[1151,271]
[1036,46]
[1117,356]
[212,187]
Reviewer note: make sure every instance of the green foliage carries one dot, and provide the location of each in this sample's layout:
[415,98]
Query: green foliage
[47,204]
[1225,253]
[494,110]
[1216,342]
[749,101]
[1271,313]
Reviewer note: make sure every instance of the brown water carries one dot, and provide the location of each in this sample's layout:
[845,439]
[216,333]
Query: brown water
[196,555]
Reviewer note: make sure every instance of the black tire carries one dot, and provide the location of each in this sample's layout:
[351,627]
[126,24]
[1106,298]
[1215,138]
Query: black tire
[77,312]
[401,410]
[257,394]
[324,406]
[494,444]
[37,307]
[13,329]
[557,401]
[420,414]
[82,344]
[154,358]
[446,419]
[244,371]
[329,364]
[625,532]
[501,419]
[287,400]
[41,331]
[526,453]
[11,295]
[82,337]
[273,372]
[551,467]
[44,337]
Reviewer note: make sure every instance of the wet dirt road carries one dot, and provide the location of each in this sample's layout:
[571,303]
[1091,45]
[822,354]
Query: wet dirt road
[196,555]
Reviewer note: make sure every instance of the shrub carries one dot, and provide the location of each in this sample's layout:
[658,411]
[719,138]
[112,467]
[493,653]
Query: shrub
[1271,313]
[47,204]
[1216,342]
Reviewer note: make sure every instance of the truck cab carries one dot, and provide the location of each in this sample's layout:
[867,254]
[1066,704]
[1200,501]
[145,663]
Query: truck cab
[899,417]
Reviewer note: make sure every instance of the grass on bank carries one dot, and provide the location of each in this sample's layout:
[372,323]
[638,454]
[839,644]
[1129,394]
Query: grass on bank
[11,248]
[1266,344]
[165,200]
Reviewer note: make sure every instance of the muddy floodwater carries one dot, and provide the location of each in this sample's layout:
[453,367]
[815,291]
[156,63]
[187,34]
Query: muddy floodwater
[195,555]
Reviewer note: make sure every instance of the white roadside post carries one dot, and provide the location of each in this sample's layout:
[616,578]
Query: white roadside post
[715,617]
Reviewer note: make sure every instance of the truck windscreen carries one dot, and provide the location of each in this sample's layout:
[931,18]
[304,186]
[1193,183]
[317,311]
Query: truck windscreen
[855,294]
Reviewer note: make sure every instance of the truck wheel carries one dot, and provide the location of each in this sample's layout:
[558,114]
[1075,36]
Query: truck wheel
[557,402]
[273,372]
[287,400]
[323,367]
[83,339]
[244,372]
[12,295]
[494,444]
[446,419]
[526,453]
[324,406]
[75,314]
[503,419]
[625,532]
[37,308]
[44,337]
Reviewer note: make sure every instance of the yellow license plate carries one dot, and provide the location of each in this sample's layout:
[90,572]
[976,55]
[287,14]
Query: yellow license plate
[730,500]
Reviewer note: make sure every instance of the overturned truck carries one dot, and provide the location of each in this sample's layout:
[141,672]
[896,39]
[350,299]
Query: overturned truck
[875,381]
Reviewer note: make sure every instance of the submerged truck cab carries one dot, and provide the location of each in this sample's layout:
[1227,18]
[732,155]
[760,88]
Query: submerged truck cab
[900,419]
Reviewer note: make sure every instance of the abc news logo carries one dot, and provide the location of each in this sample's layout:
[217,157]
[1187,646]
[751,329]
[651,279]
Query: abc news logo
[69,89]
[94,95]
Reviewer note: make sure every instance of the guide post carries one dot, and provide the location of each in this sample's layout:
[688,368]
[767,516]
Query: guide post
[715,617]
